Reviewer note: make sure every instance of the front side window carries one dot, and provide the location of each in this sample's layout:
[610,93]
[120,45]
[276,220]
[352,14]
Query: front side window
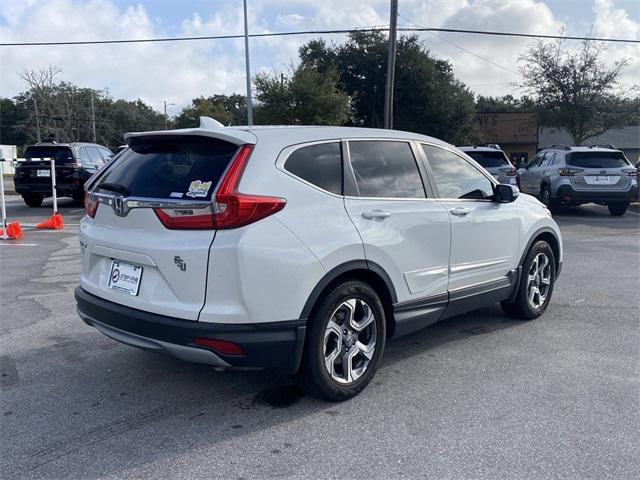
[455,177]
[94,155]
[320,165]
[385,169]
[536,161]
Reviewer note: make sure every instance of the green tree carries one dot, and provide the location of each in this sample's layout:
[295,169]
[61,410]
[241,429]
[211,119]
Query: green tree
[227,109]
[428,97]
[505,104]
[308,97]
[577,90]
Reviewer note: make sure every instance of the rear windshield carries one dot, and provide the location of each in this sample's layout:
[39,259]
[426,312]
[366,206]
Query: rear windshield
[187,167]
[59,154]
[597,159]
[489,159]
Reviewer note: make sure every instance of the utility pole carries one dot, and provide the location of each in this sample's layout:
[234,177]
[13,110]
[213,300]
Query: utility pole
[247,66]
[93,118]
[391,65]
[165,114]
[35,105]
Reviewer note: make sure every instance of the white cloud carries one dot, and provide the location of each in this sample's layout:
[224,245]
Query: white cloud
[180,71]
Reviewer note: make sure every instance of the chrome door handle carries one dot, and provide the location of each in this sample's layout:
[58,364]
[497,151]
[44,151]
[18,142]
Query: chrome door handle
[460,211]
[376,214]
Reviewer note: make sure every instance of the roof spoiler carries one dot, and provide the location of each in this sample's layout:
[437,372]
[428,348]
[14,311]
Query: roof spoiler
[209,127]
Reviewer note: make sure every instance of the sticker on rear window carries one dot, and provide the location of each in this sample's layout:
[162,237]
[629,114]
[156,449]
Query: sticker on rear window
[176,194]
[198,188]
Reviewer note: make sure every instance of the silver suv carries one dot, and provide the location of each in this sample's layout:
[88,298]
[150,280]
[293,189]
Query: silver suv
[494,161]
[561,174]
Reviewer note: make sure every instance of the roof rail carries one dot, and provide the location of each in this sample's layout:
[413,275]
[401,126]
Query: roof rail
[603,145]
[560,147]
[487,145]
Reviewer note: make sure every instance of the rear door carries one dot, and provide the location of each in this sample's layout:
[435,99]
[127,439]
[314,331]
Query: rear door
[166,249]
[404,230]
[598,171]
[36,171]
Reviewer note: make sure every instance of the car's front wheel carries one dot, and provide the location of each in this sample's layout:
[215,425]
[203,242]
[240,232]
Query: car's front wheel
[345,342]
[618,209]
[536,283]
[33,200]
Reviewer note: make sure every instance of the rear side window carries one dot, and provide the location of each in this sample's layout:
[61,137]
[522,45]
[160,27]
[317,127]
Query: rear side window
[489,159]
[59,154]
[320,165]
[167,167]
[597,159]
[385,169]
[455,176]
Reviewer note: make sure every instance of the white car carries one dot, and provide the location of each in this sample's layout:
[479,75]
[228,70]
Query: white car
[303,248]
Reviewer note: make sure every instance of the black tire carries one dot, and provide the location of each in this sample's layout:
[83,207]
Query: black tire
[617,209]
[521,307]
[33,200]
[314,375]
[546,199]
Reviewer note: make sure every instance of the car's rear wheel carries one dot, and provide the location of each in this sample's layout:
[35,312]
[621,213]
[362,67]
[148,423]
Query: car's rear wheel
[617,209]
[536,283]
[345,342]
[545,197]
[33,200]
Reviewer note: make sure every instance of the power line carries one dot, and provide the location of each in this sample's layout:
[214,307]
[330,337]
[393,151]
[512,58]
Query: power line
[313,32]
[461,47]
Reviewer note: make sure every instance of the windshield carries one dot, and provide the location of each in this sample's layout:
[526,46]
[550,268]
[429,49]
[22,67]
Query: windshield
[597,159]
[489,159]
[59,154]
[166,167]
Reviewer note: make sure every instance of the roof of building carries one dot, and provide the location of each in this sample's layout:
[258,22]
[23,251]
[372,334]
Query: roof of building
[628,137]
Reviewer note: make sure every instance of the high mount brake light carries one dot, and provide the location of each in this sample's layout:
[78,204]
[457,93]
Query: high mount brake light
[231,209]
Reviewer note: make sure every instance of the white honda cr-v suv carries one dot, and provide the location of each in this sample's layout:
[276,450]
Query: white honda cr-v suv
[302,248]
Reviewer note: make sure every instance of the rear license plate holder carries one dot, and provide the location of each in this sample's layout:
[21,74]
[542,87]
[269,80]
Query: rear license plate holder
[125,278]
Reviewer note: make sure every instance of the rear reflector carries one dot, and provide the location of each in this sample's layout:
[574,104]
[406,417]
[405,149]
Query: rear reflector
[221,346]
[231,209]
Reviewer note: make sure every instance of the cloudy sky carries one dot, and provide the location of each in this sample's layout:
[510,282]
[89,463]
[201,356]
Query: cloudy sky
[179,71]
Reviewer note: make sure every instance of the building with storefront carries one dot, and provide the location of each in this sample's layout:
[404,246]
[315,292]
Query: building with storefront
[516,133]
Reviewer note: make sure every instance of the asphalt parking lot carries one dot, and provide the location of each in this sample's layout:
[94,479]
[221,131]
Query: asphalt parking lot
[477,396]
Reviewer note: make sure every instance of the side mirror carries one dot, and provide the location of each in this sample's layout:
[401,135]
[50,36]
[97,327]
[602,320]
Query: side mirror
[503,193]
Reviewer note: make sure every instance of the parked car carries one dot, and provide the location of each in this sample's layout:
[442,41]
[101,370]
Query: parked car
[75,163]
[568,175]
[303,248]
[494,160]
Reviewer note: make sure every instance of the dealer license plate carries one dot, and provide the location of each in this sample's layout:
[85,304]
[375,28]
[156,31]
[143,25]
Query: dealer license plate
[125,278]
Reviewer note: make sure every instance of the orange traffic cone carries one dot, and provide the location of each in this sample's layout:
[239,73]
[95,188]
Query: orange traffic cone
[54,222]
[14,231]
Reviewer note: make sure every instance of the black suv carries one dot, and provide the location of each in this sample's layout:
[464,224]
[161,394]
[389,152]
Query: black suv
[75,163]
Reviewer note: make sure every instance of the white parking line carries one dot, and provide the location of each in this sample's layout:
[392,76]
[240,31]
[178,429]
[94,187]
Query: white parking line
[634,213]
[3,244]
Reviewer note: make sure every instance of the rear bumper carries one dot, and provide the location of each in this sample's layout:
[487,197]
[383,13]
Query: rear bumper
[565,191]
[271,345]
[62,189]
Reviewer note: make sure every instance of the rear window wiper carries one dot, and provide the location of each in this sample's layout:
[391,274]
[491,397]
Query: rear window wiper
[114,187]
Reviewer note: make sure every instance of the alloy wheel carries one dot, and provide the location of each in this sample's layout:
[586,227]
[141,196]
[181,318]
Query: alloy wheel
[539,280]
[350,341]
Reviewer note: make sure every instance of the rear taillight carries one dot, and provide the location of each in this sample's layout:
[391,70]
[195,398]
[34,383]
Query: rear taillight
[231,209]
[569,172]
[221,346]
[632,172]
[90,206]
